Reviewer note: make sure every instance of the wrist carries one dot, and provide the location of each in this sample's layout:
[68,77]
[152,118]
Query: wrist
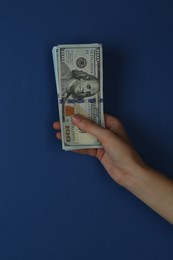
[134,177]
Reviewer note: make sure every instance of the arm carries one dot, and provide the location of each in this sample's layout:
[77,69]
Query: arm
[125,166]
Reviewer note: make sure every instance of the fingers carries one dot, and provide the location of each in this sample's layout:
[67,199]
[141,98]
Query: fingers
[111,123]
[56,125]
[90,152]
[113,126]
[59,136]
[91,127]
[98,153]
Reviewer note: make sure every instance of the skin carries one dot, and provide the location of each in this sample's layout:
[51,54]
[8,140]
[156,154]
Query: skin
[83,88]
[125,166]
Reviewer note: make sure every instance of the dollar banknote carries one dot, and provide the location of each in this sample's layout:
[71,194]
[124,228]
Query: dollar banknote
[79,81]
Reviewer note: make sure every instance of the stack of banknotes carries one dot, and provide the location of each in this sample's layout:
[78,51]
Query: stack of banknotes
[79,81]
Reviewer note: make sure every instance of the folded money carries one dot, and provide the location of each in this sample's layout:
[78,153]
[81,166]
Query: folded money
[79,81]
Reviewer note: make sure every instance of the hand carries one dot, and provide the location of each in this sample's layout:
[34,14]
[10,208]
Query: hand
[125,166]
[117,155]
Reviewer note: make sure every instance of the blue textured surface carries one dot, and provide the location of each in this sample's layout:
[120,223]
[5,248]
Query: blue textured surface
[56,204]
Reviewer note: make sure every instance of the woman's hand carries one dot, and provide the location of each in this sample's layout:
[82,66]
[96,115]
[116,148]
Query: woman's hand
[125,166]
[117,155]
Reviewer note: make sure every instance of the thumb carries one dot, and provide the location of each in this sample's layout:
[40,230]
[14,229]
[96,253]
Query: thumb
[91,127]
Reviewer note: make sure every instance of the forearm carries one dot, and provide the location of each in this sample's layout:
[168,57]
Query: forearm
[125,166]
[154,189]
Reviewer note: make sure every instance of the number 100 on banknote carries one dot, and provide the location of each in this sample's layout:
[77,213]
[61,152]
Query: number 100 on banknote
[79,82]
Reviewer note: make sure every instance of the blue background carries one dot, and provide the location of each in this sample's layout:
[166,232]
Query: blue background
[60,205]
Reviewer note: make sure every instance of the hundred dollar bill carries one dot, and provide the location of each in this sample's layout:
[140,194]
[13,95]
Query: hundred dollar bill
[79,80]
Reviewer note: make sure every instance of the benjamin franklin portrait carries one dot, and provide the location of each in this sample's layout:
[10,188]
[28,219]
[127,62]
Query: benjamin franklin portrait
[77,84]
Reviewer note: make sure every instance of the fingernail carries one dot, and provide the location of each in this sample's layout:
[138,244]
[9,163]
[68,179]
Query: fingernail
[77,118]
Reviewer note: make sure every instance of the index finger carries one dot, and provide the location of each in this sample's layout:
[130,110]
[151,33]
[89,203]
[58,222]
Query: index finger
[56,125]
